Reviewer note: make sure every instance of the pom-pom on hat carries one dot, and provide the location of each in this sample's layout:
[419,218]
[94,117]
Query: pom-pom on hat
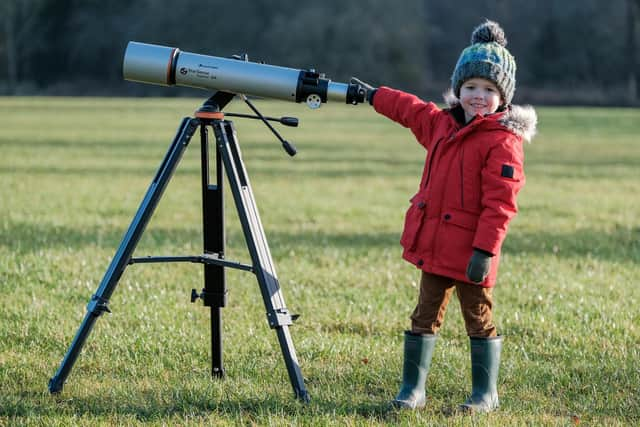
[487,57]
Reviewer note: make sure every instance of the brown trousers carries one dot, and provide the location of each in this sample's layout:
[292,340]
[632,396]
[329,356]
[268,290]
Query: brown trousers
[476,303]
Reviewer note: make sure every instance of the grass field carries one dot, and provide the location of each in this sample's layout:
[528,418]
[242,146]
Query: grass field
[73,172]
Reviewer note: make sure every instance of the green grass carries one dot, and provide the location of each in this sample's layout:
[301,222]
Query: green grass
[73,172]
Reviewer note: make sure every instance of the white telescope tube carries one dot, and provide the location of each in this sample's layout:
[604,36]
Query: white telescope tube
[162,65]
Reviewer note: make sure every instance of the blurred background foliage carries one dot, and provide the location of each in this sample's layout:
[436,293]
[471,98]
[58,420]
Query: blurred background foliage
[574,52]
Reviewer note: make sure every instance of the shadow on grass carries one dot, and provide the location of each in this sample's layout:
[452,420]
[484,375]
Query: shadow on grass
[584,388]
[66,171]
[147,407]
[620,244]
[255,411]
[26,237]
[337,169]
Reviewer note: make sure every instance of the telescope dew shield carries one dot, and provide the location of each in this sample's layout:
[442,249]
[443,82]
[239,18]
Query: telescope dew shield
[167,66]
[146,63]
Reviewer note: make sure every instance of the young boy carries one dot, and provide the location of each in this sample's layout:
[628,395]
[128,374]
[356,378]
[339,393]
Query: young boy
[458,219]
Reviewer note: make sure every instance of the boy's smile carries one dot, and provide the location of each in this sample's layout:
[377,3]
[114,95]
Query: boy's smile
[479,96]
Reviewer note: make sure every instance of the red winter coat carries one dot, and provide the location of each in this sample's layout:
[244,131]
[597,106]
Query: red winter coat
[471,178]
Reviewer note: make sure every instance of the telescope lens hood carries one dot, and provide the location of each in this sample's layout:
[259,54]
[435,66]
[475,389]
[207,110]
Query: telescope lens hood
[148,63]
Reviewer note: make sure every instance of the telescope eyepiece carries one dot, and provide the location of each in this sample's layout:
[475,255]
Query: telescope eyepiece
[356,93]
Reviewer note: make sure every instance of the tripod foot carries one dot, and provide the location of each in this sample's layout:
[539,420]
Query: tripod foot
[55,385]
[218,373]
[304,397]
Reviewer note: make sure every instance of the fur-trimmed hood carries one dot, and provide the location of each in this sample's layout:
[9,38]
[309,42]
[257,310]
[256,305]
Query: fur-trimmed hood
[519,119]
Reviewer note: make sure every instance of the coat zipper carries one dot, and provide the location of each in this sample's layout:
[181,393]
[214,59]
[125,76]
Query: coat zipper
[426,182]
[433,154]
[462,177]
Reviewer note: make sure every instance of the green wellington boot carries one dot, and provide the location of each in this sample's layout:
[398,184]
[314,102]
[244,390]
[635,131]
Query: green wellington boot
[485,360]
[418,350]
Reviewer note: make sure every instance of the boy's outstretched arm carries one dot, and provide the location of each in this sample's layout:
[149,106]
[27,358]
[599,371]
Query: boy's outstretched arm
[404,108]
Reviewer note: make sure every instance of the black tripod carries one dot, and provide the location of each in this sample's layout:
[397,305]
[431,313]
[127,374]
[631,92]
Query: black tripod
[213,294]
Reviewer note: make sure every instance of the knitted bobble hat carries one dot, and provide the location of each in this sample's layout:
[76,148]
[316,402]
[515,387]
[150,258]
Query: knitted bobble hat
[487,57]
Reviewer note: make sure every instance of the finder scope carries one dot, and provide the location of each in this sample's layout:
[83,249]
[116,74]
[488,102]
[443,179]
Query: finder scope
[168,66]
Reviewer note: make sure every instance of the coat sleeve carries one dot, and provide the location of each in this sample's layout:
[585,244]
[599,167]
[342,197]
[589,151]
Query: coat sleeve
[502,178]
[409,111]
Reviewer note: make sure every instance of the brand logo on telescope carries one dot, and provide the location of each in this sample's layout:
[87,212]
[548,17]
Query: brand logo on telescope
[183,70]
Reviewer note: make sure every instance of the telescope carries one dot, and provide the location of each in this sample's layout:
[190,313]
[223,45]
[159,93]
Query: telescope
[168,66]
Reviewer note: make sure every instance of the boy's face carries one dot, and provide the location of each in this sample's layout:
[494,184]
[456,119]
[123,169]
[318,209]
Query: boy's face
[479,96]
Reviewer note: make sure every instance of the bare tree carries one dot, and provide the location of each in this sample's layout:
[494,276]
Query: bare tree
[633,17]
[9,46]
[20,19]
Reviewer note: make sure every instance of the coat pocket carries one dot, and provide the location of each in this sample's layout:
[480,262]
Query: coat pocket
[455,238]
[412,223]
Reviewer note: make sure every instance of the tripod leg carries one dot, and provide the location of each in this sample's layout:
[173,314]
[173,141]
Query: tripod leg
[98,303]
[277,313]
[214,292]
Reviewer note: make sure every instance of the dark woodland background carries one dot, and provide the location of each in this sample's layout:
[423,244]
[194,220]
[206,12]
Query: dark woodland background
[568,53]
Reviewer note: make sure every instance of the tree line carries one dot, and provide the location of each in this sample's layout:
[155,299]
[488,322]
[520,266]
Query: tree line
[573,52]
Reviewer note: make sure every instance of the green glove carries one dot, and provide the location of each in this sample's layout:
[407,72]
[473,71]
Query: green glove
[479,265]
[369,90]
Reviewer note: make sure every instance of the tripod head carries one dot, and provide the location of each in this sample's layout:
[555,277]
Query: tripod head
[211,109]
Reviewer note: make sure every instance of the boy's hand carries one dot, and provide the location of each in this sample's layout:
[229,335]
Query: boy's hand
[479,265]
[369,90]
